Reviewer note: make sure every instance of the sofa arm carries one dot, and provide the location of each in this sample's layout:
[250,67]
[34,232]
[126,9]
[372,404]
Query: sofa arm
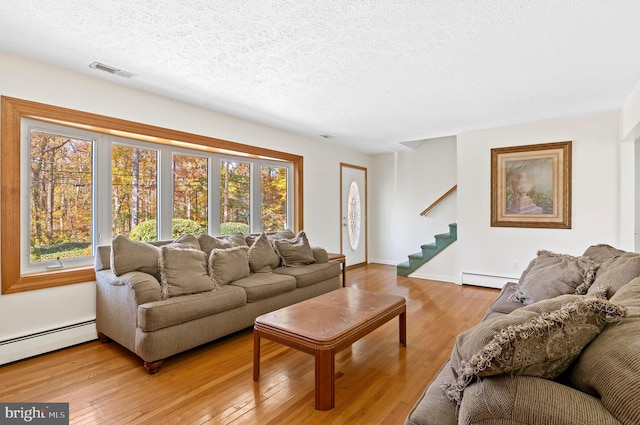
[529,400]
[103,260]
[117,301]
[320,254]
[142,287]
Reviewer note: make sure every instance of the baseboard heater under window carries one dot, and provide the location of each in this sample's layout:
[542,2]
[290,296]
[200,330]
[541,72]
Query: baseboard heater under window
[26,346]
[490,281]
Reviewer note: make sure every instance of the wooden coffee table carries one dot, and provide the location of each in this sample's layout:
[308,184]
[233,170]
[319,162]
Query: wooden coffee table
[326,324]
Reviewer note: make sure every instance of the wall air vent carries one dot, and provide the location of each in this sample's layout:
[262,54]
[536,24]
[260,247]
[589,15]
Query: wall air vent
[111,70]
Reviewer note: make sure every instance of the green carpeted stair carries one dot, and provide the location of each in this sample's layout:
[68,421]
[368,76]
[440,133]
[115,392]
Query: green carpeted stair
[428,251]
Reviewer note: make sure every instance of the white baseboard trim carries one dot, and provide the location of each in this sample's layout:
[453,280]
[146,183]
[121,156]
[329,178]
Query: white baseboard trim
[420,275]
[490,281]
[27,346]
[385,262]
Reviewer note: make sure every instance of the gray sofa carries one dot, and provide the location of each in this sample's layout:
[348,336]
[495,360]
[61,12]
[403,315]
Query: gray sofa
[559,347]
[159,299]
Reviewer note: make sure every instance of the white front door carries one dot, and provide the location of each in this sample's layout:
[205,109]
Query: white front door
[353,210]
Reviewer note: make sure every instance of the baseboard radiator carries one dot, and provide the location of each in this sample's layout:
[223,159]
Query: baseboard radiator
[37,343]
[490,281]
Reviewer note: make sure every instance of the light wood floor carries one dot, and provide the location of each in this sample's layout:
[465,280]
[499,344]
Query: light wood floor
[378,380]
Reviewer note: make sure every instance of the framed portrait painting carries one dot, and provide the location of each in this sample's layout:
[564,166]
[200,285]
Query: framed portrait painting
[531,186]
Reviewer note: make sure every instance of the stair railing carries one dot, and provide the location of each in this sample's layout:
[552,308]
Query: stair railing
[440,199]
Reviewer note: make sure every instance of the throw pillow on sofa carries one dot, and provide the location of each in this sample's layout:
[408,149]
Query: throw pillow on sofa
[262,256]
[294,252]
[550,274]
[208,242]
[620,271]
[128,255]
[602,252]
[183,270]
[188,239]
[228,265]
[282,234]
[541,340]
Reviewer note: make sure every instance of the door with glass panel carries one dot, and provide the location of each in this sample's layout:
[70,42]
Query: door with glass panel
[353,213]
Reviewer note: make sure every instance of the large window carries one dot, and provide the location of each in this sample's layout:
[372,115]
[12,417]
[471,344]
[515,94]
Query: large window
[190,194]
[60,187]
[274,186]
[235,196]
[86,178]
[134,189]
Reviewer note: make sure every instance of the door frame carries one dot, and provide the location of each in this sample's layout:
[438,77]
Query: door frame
[366,211]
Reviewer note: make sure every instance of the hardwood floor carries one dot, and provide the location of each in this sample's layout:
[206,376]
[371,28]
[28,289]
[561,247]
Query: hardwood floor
[378,380]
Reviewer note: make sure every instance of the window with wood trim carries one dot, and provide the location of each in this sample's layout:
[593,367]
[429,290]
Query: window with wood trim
[70,180]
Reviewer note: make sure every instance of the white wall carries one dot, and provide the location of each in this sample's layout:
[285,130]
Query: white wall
[630,169]
[34,311]
[505,251]
[404,184]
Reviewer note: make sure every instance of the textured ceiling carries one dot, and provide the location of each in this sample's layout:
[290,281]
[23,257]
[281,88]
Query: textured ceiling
[371,73]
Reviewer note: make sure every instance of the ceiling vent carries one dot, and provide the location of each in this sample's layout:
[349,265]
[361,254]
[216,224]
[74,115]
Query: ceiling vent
[328,136]
[111,70]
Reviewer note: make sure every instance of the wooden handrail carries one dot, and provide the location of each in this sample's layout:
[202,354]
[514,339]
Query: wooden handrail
[440,199]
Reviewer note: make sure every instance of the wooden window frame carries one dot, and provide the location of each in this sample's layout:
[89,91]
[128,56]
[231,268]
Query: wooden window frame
[12,112]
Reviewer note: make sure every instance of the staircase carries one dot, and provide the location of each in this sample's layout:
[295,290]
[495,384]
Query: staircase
[429,251]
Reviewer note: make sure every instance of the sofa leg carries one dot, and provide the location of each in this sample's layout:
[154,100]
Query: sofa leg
[103,338]
[153,367]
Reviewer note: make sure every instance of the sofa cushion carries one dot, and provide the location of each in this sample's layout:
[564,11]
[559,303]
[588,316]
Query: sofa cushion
[552,274]
[208,242]
[172,311]
[505,303]
[541,340]
[227,265]
[128,255]
[262,256]
[310,274]
[259,286]
[609,367]
[622,270]
[183,271]
[530,400]
[295,251]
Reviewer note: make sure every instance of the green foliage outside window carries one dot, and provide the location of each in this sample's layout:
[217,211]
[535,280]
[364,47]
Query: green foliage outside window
[233,227]
[147,230]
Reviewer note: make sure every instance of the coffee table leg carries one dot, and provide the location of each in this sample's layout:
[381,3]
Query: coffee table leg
[325,379]
[402,320]
[256,355]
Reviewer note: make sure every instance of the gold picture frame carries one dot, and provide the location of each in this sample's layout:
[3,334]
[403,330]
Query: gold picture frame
[531,186]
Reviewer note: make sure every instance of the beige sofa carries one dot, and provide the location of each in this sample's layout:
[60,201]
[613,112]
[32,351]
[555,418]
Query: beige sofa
[552,349]
[162,298]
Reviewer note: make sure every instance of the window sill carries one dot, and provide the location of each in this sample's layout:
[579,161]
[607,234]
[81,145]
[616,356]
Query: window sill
[12,283]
